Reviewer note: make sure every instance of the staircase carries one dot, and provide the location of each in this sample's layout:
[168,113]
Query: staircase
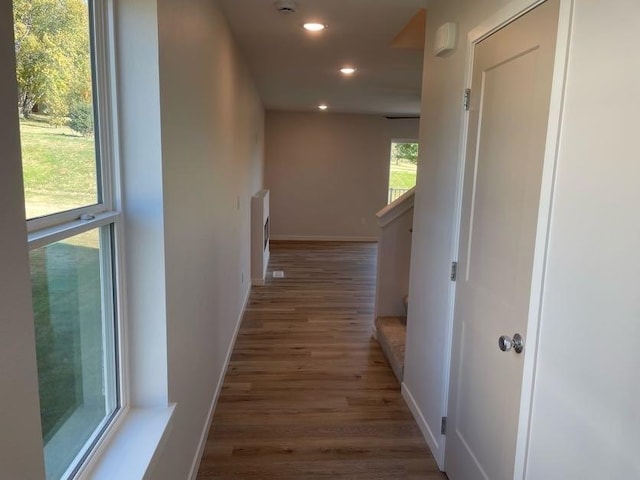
[394,257]
[391,333]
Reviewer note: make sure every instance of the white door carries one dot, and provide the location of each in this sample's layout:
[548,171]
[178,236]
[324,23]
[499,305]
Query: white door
[510,97]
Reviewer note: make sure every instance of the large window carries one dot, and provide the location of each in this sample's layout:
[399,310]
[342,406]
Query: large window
[65,126]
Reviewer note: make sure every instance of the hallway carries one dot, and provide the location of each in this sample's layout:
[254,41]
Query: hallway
[308,393]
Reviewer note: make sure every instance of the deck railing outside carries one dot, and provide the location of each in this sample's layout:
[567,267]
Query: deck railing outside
[395,193]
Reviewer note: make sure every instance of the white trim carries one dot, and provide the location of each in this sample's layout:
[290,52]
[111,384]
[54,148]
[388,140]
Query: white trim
[109,318]
[406,140]
[396,208]
[503,17]
[427,433]
[554,127]
[120,309]
[110,76]
[108,19]
[54,234]
[507,14]
[132,447]
[321,238]
[105,98]
[60,218]
[57,443]
[455,241]
[106,104]
[205,430]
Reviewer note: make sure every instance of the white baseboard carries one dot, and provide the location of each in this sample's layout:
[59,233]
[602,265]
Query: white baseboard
[322,238]
[437,449]
[205,431]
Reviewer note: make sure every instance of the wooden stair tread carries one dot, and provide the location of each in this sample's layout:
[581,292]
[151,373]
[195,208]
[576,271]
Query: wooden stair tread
[392,336]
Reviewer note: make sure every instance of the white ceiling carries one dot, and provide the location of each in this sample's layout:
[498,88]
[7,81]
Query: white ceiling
[296,71]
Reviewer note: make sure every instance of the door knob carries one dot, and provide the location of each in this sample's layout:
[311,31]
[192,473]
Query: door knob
[507,343]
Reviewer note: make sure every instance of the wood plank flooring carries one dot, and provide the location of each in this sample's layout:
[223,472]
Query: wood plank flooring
[308,393]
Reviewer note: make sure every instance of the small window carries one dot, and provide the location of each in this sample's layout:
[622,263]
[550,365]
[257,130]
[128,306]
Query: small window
[402,169]
[66,138]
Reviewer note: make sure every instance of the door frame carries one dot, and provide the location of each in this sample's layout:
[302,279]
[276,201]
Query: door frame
[512,11]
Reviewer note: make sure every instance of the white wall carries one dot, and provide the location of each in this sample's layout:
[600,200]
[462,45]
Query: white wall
[585,405]
[329,173]
[20,433]
[142,200]
[430,286]
[394,262]
[212,157]
[586,408]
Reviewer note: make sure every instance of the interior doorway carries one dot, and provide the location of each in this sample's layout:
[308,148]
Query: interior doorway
[511,85]
[403,167]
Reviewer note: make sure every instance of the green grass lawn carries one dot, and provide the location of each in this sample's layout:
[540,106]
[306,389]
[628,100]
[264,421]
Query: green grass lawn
[59,168]
[405,180]
[65,282]
[402,176]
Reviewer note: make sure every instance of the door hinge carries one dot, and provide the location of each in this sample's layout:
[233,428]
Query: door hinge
[443,426]
[467,99]
[454,271]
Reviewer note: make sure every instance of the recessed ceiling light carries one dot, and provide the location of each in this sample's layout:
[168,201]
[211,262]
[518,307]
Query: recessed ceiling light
[323,107]
[314,27]
[348,70]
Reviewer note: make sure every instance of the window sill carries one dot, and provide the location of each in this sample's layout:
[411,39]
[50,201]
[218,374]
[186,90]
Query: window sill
[131,449]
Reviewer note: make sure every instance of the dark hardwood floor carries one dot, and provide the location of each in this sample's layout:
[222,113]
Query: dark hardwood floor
[308,393]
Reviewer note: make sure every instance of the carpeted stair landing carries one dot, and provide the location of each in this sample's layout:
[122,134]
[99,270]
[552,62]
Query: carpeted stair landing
[391,334]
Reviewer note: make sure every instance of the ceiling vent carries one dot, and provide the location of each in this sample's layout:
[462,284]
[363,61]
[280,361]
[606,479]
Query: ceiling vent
[286,6]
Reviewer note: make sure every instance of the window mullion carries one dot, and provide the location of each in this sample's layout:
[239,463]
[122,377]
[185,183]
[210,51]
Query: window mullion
[105,100]
[60,232]
[62,218]
[109,318]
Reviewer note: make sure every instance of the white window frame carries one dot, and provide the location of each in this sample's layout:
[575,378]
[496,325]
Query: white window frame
[58,226]
[105,108]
